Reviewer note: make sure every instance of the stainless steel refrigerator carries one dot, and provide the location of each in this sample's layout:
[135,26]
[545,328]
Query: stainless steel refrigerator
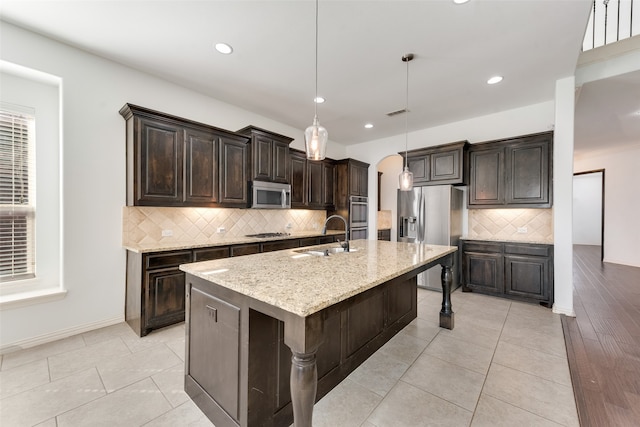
[432,215]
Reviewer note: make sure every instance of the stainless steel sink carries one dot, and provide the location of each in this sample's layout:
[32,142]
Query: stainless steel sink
[324,252]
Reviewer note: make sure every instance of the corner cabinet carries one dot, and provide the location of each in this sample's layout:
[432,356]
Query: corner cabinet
[269,155]
[438,165]
[177,162]
[522,271]
[515,172]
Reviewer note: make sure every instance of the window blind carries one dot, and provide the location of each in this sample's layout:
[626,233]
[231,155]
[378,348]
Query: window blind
[17,195]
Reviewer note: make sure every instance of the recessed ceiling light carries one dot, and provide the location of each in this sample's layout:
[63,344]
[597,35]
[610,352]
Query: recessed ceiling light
[460,1]
[224,48]
[495,79]
[318,100]
[368,126]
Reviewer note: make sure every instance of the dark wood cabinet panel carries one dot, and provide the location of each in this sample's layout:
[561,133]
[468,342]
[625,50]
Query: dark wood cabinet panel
[165,301]
[526,276]
[279,245]
[437,165]
[208,254]
[233,172]
[487,177]
[384,234]
[358,179]
[298,161]
[446,166]
[269,154]
[246,249]
[214,348]
[158,168]
[201,167]
[328,183]
[484,271]
[314,180]
[419,165]
[515,172]
[528,168]
[521,271]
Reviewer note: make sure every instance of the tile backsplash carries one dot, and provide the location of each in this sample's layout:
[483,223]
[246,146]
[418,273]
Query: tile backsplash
[145,225]
[530,225]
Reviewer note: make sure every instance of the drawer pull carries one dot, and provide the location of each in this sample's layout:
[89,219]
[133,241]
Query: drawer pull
[213,313]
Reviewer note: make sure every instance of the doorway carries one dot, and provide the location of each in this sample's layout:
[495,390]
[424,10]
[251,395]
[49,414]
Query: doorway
[588,209]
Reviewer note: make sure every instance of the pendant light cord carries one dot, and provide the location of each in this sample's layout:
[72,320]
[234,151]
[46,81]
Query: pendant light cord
[406,120]
[315,101]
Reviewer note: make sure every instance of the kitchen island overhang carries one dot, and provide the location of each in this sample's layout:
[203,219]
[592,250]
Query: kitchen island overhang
[244,314]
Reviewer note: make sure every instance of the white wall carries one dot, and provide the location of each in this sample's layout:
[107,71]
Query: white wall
[93,181]
[587,209]
[390,167]
[621,200]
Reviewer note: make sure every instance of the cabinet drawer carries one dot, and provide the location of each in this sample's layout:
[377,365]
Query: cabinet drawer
[327,239]
[208,254]
[167,259]
[482,247]
[537,250]
[280,245]
[248,249]
[309,241]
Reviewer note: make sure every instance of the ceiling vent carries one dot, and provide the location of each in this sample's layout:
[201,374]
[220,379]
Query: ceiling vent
[395,113]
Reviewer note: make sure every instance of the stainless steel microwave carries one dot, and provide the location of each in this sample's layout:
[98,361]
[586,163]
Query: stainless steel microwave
[269,195]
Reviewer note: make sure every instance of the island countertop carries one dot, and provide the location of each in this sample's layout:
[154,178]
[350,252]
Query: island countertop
[304,284]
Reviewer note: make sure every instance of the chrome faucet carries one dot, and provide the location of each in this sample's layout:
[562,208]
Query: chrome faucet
[344,245]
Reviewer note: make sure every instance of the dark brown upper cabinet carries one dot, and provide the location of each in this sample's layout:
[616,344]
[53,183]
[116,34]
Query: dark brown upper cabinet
[312,182]
[233,172]
[173,161]
[298,169]
[352,180]
[269,155]
[437,165]
[514,172]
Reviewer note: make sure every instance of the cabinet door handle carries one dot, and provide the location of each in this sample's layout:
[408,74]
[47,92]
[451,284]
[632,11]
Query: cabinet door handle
[213,313]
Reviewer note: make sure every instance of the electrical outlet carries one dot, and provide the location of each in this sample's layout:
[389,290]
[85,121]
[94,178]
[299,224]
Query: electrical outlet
[288,225]
[221,230]
[167,233]
[522,230]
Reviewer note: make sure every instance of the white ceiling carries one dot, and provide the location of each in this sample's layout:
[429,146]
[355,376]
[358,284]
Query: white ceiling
[531,43]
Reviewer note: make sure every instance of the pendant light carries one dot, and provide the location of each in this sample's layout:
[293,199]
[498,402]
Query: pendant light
[316,136]
[405,179]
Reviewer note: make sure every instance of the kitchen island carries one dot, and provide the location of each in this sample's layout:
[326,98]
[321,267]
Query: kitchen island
[270,334]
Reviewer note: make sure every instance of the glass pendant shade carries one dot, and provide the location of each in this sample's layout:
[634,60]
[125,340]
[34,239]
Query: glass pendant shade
[405,180]
[315,138]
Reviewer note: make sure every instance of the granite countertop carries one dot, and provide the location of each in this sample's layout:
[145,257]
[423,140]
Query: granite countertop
[488,239]
[303,284]
[221,241]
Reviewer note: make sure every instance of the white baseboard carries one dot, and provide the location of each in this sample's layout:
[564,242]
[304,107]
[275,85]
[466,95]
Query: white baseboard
[564,310]
[57,335]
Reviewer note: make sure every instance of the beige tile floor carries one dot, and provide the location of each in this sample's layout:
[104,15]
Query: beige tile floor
[504,364]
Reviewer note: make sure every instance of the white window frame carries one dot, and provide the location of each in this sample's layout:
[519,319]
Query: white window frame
[41,91]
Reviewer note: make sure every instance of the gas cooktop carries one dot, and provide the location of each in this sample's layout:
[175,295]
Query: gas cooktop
[263,235]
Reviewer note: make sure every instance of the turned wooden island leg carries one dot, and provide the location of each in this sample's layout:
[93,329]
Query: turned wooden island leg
[304,382]
[446,313]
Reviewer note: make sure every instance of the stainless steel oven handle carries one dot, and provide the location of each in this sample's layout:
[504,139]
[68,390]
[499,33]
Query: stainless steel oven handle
[284,198]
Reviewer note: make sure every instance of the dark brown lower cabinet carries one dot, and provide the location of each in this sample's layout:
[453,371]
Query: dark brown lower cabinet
[522,271]
[259,385]
[384,234]
[155,294]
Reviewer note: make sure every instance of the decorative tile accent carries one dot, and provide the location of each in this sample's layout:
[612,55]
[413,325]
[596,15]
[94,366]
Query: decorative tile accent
[144,225]
[503,224]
